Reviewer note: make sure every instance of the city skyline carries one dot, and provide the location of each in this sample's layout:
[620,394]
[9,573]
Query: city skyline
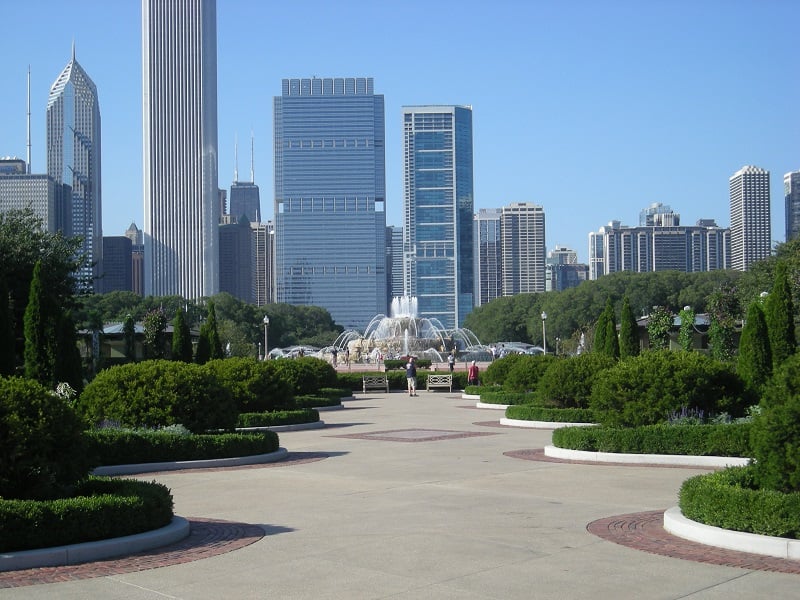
[590,104]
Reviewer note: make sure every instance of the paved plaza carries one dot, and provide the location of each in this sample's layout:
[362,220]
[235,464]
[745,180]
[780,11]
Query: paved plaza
[421,497]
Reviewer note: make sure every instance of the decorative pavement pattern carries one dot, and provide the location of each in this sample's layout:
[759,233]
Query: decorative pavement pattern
[414,435]
[645,531]
[206,538]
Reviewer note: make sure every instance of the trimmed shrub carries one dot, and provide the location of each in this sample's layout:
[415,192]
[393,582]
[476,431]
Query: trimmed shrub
[101,508]
[156,393]
[568,383]
[393,363]
[691,440]
[125,446]
[526,412]
[335,393]
[307,375]
[41,448]
[776,431]
[315,402]
[731,500]
[497,397]
[474,390]
[283,417]
[524,375]
[255,386]
[646,389]
[497,372]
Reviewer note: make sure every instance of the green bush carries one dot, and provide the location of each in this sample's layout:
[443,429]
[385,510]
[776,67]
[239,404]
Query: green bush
[474,390]
[494,397]
[124,446]
[101,508]
[274,419]
[307,375]
[646,389]
[41,448]
[776,430]
[527,412]
[690,440]
[156,393]
[353,380]
[524,375]
[335,393]
[730,499]
[315,402]
[568,383]
[393,364]
[498,370]
[256,386]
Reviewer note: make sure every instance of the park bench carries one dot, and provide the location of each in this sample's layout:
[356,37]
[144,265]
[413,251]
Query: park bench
[375,382]
[440,381]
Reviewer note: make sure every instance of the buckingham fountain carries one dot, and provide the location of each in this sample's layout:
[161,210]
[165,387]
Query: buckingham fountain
[403,333]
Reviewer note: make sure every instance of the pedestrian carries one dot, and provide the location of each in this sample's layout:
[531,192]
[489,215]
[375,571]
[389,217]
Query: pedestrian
[347,356]
[411,376]
[494,352]
[451,361]
[472,374]
[334,355]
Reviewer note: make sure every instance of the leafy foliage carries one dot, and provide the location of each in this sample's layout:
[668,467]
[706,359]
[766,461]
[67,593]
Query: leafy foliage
[754,362]
[567,383]
[686,333]
[497,372]
[155,323]
[129,335]
[181,338]
[779,314]
[644,390]
[41,449]
[255,386]
[155,393]
[659,324]
[7,342]
[776,431]
[306,375]
[524,375]
[628,331]
[724,310]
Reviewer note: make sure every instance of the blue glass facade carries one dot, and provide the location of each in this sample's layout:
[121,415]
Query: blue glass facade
[438,198]
[330,194]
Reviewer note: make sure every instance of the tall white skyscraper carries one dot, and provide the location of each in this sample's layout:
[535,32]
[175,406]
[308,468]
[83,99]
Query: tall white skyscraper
[791,196]
[750,217]
[524,250]
[73,158]
[181,196]
[488,255]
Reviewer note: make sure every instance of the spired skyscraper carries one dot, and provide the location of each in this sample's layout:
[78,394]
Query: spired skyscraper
[438,211]
[330,196]
[73,158]
[181,196]
[750,217]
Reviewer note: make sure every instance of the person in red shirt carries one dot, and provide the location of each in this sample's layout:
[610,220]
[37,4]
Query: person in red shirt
[472,374]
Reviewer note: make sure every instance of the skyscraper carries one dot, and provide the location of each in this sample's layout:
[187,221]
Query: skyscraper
[134,234]
[750,217]
[791,193]
[438,211]
[524,249]
[330,196]
[488,256]
[236,258]
[245,199]
[394,262]
[73,158]
[263,252]
[181,197]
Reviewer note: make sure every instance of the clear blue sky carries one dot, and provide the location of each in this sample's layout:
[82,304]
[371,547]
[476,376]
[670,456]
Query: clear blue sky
[594,109]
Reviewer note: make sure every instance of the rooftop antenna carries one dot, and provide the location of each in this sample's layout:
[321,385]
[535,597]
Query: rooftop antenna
[29,121]
[252,152]
[236,158]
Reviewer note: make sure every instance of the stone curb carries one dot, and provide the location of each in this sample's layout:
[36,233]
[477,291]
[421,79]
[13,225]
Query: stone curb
[678,525]
[491,406]
[73,554]
[648,459]
[132,469]
[465,396]
[327,408]
[279,428]
[541,424]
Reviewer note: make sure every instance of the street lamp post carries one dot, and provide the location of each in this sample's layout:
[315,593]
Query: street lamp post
[266,327]
[544,332]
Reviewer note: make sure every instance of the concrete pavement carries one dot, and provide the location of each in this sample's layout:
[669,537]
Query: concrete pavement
[401,497]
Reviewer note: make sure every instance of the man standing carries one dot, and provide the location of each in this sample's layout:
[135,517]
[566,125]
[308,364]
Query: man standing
[451,361]
[411,376]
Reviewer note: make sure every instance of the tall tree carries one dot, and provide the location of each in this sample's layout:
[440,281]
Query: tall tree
[754,363]
[129,337]
[181,338]
[779,314]
[7,341]
[628,331]
[155,322]
[38,325]
[601,328]
[658,327]
[214,341]
[611,341]
[724,310]
[686,333]
[67,366]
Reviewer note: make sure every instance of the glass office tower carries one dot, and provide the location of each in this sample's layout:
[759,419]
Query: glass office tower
[181,195]
[438,211]
[73,159]
[330,195]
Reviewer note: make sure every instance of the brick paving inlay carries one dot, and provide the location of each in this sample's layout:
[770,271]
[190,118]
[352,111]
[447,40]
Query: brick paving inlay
[207,538]
[645,531]
[414,435]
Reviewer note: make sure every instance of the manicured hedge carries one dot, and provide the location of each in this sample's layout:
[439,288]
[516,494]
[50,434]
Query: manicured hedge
[315,402]
[526,371]
[352,380]
[392,364]
[121,447]
[335,393]
[101,508]
[255,385]
[306,375]
[507,398]
[474,390]
[156,393]
[527,412]
[568,383]
[730,499]
[692,440]
[497,372]
[283,417]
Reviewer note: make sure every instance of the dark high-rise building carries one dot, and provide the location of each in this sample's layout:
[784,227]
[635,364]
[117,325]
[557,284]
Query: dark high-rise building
[134,234]
[245,200]
[235,258]
[117,265]
[488,256]
[791,193]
